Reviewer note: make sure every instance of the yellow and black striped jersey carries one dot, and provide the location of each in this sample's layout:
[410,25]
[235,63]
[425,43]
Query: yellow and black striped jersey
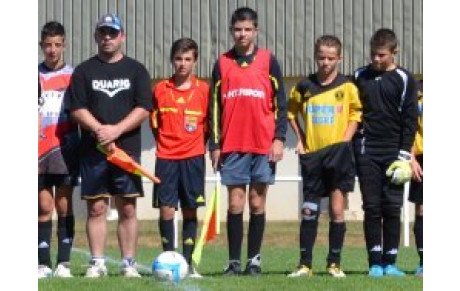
[418,144]
[326,110]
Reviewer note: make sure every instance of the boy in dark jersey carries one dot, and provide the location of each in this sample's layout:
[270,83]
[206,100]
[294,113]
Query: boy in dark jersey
[330,108]
[382,149]
[179,125]
[416,187]
[57,153]
[247,132]
[110,97]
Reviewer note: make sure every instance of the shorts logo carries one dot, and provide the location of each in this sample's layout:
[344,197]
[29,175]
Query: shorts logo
[200,199]
[191,123]
[111,87]
[339,95]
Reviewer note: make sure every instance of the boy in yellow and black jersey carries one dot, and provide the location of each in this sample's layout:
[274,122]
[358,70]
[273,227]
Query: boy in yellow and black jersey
[331,109]
[416,186]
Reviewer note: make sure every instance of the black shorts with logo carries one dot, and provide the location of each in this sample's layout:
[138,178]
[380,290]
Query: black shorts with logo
[181,180]
[327,169]
[416,188]
[100,178]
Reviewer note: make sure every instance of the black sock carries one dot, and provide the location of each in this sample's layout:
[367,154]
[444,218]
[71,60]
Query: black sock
[307,237]
[188,238]
[373,235]
[65,234]
[418,231]
[255,234]
[167,234]
[336,238]
[391,235]
[44,243]
[234,235]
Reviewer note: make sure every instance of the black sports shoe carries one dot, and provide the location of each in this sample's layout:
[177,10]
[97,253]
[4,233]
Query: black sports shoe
[252,270]
[233,269]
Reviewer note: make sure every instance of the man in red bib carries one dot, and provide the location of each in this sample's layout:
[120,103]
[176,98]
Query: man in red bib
[248,123]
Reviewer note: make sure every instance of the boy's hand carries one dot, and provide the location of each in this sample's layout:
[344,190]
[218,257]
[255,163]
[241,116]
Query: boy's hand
[276,152]
[416,169]
[300,148]
[215,159]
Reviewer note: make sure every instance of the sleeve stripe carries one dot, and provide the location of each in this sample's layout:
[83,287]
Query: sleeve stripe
[215,115]
[275,102]
[405,81]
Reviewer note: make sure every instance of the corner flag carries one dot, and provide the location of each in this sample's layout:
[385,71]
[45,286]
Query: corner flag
[211,223]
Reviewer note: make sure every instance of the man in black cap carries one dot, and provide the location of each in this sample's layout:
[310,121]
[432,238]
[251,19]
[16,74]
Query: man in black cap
[110,97]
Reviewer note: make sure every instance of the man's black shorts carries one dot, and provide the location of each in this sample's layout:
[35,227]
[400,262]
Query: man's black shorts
[327,169]
[100,178]
[416,188]
[181,180]
[56,180]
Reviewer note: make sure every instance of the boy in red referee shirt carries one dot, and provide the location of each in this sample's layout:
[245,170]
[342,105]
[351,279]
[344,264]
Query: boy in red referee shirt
[179,125]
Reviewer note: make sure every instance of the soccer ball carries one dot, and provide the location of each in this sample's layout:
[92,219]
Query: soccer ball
[170,266]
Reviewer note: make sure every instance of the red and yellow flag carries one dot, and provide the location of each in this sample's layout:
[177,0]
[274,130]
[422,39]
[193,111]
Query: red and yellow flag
[211,223]
[121,159]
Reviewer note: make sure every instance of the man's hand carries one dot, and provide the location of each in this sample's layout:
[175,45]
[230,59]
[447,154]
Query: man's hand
[215,159]
[276,152]
[416,169]
[107,133]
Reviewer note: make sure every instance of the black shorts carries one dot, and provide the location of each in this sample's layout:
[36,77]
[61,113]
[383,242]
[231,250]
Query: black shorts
[56,180]
[327,169]
[376,189]
[100,178]
[416,188]
[181,180]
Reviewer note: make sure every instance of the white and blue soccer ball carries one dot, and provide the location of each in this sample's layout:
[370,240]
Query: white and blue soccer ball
[170,266]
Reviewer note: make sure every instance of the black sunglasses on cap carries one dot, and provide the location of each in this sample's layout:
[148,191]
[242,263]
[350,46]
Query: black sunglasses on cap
[111,32]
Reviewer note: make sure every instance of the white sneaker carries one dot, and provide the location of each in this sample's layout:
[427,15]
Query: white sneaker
[63,271]
[302,271]
[193,273]
[44,272]
[130,272]
[335,271]
[96,270]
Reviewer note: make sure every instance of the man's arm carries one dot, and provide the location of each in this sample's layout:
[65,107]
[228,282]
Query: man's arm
[86,120]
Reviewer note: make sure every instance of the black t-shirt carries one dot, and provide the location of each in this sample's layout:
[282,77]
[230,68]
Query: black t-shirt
[110,91]
[389,110]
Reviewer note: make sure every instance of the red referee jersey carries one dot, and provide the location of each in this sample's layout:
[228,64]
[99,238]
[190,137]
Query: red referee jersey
[179,116]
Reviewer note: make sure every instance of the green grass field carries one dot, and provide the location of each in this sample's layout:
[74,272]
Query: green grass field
[279,257]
